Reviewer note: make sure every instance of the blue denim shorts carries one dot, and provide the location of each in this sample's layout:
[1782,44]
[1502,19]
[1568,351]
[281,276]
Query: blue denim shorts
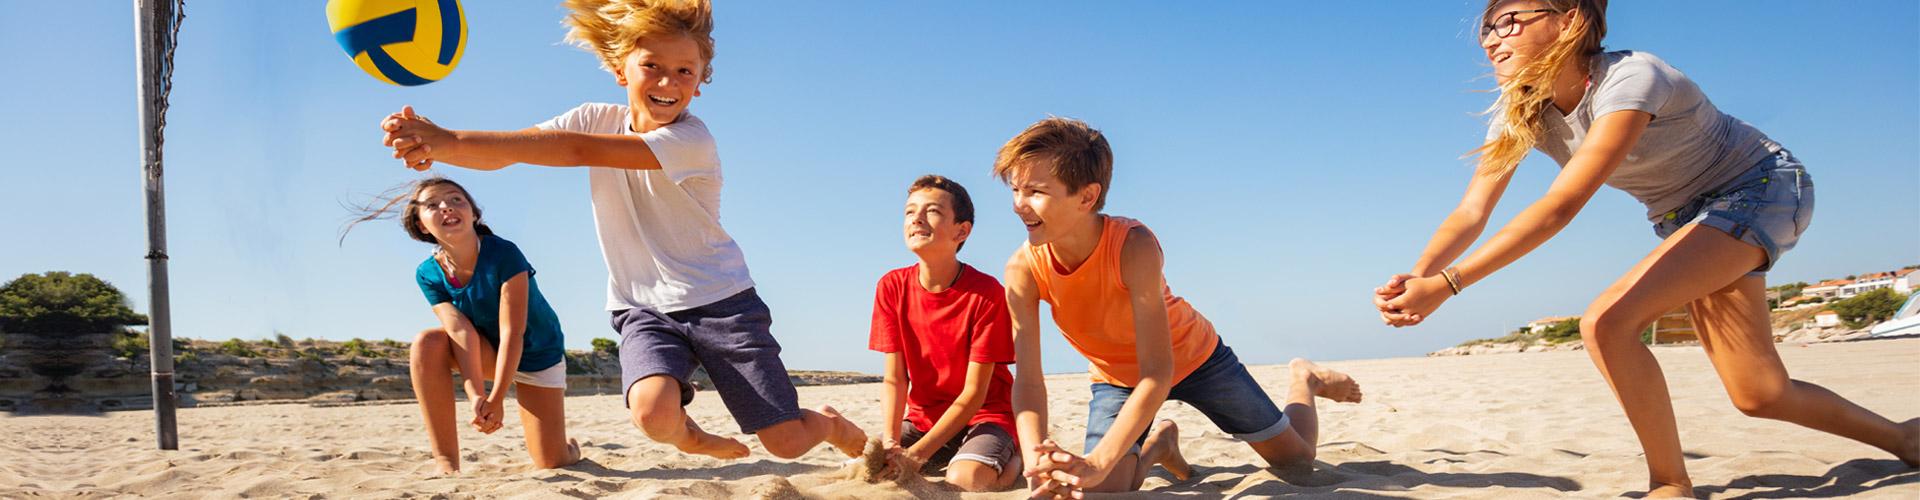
[1221,389]
[1768,207]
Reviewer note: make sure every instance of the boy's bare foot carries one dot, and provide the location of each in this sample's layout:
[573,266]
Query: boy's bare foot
[1173,462]
[446,466]
[1910,443]
[1325,382]
[710,445]
[1670,491]
[844,436]
[573,452]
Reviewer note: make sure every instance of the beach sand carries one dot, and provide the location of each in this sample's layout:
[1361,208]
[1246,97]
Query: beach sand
[1517,425]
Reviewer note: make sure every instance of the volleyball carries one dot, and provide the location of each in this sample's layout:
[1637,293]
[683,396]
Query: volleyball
[402,42]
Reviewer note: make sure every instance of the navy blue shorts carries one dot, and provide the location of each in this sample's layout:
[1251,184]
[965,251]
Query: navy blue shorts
[1221,389]
[732,338]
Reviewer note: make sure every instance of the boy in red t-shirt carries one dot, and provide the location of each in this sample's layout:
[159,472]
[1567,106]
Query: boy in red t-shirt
[944,328]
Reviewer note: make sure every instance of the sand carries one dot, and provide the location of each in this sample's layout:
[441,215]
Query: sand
[1517,425]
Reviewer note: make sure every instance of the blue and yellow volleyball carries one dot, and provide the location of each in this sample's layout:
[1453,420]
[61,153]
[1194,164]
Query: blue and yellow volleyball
[402,42]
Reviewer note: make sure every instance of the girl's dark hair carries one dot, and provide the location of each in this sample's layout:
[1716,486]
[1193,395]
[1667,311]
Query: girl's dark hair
[383,205]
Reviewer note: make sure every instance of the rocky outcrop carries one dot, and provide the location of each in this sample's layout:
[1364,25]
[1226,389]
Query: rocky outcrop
[80,374]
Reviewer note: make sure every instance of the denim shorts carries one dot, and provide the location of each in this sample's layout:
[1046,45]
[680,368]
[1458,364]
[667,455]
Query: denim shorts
[731,338]
[1768,207]
[1221,389]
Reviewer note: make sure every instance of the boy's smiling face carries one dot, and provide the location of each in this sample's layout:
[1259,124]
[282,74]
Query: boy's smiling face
[662,75]
[931,228]
[1046,206]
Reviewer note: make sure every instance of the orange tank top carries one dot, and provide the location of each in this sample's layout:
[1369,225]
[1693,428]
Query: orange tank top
[1091,307]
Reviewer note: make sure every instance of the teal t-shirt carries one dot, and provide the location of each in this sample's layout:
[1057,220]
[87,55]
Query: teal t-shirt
[479,300]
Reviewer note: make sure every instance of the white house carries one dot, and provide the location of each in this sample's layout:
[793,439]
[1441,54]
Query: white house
[1825,289]
[1906,281]
[1826,319]
[1866,284]
[1537,325]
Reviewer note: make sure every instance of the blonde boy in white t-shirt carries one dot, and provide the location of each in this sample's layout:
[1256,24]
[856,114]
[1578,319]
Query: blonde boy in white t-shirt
[677,286]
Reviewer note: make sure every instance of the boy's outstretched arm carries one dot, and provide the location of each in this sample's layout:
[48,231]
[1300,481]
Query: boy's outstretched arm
[1029,381]
[893,401]
[419,143]
[972,396]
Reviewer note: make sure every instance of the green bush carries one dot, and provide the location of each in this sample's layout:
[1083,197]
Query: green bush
[1865,309]
[186,357]
[237,348]
[1564,331]
[62,302]
[131,345]
[282,339]
[357,347]
[606,345]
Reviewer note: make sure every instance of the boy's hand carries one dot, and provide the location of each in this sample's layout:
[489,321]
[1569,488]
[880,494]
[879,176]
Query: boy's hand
[1047,473]
[901,462]
[413,138]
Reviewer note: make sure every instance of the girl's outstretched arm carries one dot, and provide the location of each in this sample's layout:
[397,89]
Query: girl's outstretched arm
[513,330]
[465,355]
[1607,144]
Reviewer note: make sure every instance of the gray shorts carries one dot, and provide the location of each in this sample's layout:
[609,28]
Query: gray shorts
[1767,207]
[731,338]
[986,443]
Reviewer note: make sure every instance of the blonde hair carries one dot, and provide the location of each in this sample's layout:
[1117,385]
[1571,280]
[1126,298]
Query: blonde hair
[1524,98]
[1073,151]
[612,29]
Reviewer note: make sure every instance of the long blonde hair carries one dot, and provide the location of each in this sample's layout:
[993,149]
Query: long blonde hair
[1524,98]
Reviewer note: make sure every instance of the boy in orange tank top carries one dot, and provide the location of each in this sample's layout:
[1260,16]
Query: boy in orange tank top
[1102,277]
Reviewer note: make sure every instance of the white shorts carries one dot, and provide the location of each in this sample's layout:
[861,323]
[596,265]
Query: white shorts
[554,377]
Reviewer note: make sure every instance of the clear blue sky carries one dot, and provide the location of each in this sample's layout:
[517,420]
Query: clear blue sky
[1290,155]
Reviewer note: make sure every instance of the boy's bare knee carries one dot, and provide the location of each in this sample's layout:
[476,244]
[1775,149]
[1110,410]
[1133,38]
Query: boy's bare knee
[657,424]
[968,475]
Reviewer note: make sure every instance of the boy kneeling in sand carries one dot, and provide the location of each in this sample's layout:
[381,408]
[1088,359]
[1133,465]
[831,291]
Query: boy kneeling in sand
[943,326]
[1102,276]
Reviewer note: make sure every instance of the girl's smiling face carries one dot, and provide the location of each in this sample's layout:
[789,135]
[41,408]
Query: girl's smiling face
[445,212]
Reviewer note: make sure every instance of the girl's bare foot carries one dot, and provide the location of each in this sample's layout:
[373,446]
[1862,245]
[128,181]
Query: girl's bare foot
[710,445]
[446,466]
[844,436]
[1173,462]
[1325,382]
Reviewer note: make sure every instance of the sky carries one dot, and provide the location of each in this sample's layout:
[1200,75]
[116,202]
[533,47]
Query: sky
[1289,155]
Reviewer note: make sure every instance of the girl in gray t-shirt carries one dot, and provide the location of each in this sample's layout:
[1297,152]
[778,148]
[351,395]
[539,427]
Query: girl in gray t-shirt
[1725,200]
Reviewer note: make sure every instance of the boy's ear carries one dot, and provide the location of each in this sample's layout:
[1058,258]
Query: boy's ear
[1088,195]
[966,231]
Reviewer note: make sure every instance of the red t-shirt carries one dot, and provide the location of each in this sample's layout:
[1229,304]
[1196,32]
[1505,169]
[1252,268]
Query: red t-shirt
[937,334]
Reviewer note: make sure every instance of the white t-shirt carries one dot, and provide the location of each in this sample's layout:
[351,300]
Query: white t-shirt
[660,229]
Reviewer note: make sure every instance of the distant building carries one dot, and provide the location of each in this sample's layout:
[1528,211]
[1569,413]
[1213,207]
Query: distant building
[1537,325]
[1826,319]
[1905,281]
[1867,283]
[1826,289]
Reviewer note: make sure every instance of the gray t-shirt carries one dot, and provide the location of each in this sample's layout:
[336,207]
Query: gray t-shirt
[1688,149]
